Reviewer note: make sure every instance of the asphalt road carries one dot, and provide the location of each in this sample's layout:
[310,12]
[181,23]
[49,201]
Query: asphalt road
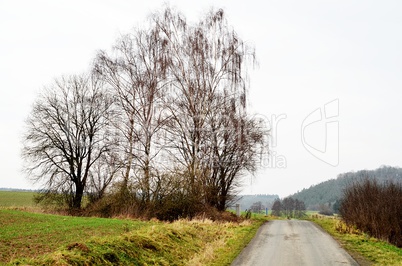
[292,242]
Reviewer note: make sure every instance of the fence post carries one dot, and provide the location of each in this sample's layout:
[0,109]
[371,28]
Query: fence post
[238,210]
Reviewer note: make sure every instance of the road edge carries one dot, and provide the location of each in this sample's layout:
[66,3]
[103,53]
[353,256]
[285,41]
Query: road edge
[238,261]
[360,259]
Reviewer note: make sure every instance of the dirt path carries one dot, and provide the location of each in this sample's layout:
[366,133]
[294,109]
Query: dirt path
[293,242]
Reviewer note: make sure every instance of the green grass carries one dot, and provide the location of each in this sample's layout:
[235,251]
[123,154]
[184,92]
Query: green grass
[16,199]
[236,242]
[24,234]
[310,213]
[44,239]
[367,250]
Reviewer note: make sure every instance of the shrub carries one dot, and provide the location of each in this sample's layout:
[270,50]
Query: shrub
[375,209]
[325,210]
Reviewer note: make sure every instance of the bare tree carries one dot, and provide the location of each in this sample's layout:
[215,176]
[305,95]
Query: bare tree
[288,206]
[256,207]
[300,209]
[137,74]
[277,208]
[189,97]
[103,174]
[209,125]
[68,131]
[236,143]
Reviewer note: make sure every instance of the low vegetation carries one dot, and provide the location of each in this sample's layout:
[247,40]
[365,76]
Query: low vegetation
[43,239]
[25,234]
[375,209]
[365,249]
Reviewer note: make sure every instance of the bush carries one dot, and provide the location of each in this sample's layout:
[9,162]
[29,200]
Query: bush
[52,201]
[375,209]
[325,210]
[175,206]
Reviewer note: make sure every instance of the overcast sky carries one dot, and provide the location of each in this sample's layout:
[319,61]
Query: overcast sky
[329,78]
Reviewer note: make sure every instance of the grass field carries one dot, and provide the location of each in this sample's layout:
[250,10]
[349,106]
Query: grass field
[16,199]
[51,239]
[25,234]
[44,239]
[367,250]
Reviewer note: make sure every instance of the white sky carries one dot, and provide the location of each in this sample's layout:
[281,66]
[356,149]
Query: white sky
[347,54]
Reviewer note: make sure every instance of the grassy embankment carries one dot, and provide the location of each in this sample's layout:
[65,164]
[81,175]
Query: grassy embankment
[365,249]
[43,239]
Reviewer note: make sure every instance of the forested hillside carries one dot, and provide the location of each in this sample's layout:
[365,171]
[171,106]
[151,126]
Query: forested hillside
[330,191]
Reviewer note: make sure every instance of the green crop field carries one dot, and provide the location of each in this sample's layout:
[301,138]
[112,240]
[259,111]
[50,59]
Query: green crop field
[16,199]
[44,239]
[25,234]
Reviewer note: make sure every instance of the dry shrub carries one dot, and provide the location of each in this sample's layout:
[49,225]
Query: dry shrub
[344,228]
[114,205]
[175,206]
[218,216]
[375,209]
[208,253]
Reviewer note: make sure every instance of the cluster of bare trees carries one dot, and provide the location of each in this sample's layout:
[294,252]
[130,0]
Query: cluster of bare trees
[257,207]
[289,207]
[160,123]
[375,209]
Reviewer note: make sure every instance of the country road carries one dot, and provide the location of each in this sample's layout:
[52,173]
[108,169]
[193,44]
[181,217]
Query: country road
[292,242]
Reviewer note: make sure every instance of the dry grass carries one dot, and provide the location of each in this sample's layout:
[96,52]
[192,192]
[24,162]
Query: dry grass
[365,249]
[42,239]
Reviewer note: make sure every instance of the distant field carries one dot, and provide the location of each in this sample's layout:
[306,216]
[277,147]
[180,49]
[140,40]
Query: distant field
[16,199]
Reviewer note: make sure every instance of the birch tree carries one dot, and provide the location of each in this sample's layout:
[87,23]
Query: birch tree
[136,72]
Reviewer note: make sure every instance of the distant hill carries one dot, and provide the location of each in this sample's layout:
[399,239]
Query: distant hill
[330,191]
[246,201]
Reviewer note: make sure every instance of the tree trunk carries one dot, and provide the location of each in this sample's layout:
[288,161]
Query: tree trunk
[222,201]
[77,200]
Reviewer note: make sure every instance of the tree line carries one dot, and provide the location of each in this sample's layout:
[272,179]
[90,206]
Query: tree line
[289,207]
[158,127]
